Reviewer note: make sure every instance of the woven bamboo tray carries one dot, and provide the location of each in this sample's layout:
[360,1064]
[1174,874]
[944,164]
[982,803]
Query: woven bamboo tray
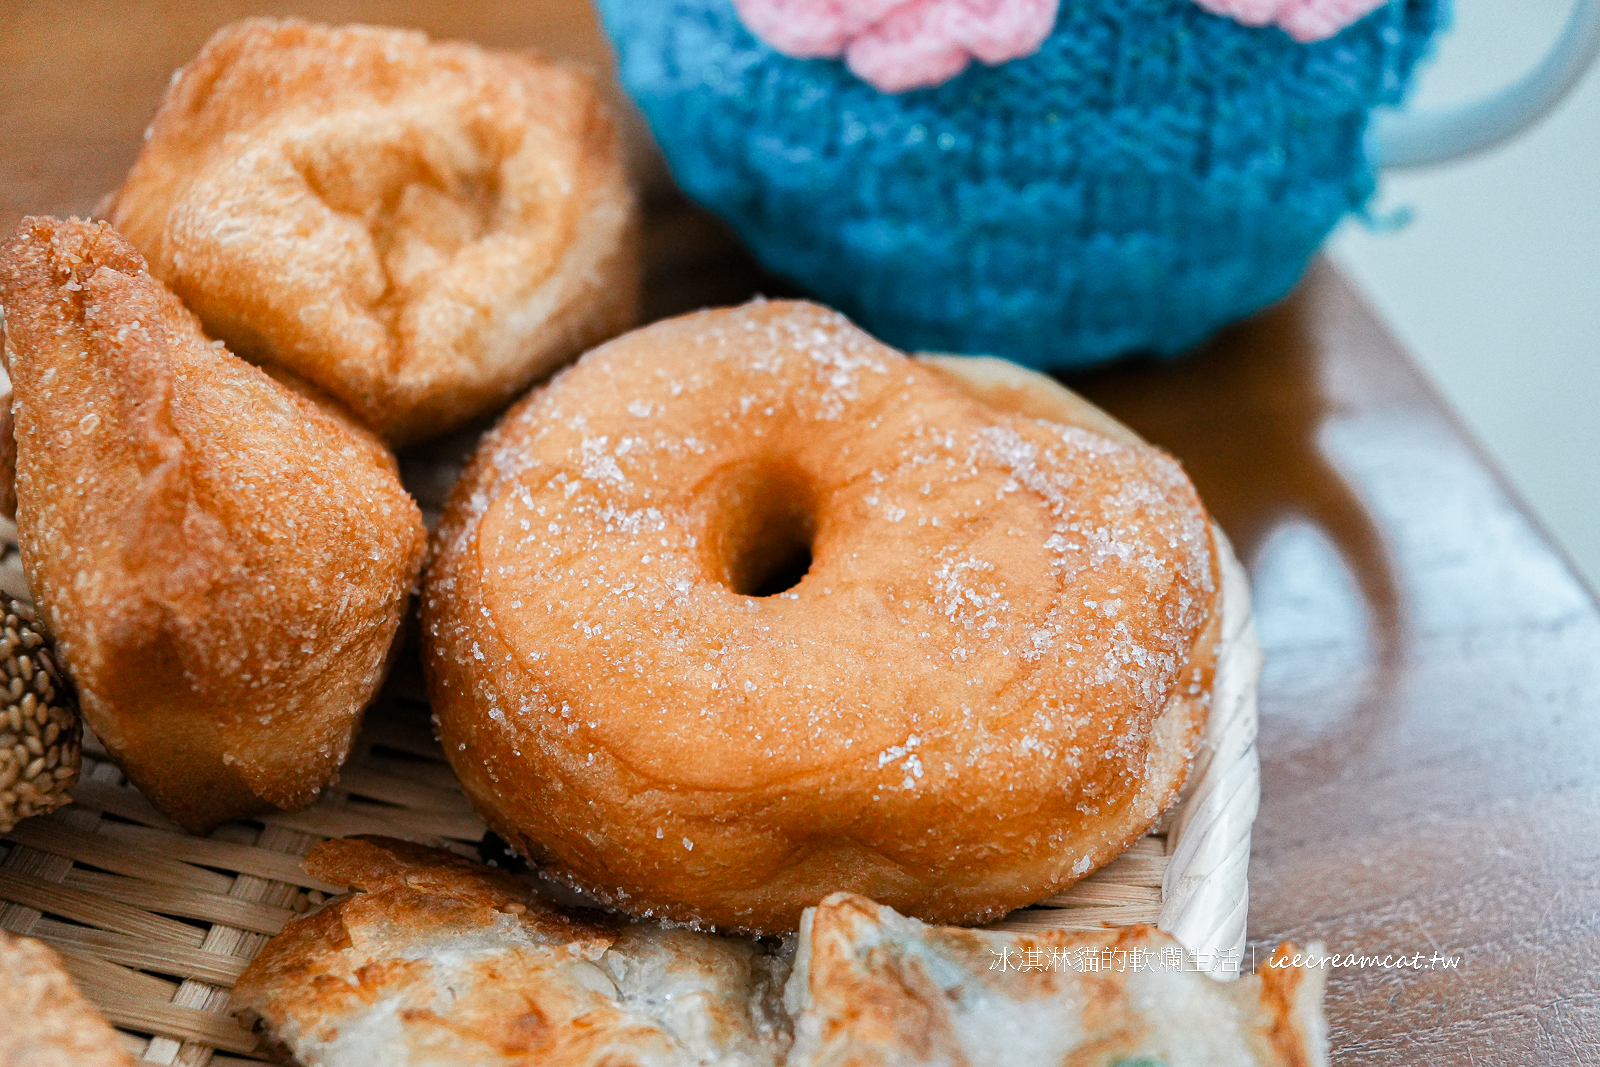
[156,924]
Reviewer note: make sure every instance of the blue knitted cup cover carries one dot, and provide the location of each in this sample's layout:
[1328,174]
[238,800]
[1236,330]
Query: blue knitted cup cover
[1152,173]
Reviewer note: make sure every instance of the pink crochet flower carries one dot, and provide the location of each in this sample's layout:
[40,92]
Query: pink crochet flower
[898,45]
[1304,20]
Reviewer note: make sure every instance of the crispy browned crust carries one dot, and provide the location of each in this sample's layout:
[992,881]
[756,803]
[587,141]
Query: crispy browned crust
[365,946]
[893,726]
[872,989]
[222,561]
[478,970]
[422,229]
[1291,1028]
[45,1021]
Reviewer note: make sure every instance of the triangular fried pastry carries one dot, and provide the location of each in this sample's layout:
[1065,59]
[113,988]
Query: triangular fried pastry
[223,560]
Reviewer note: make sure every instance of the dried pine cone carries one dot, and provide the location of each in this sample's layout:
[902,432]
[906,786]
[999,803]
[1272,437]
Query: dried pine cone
[39,728]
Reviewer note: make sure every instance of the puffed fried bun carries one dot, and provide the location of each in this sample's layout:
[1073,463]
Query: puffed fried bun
[421,229]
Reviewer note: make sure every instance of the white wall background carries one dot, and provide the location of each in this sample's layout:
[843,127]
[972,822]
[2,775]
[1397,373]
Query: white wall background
[1495,284]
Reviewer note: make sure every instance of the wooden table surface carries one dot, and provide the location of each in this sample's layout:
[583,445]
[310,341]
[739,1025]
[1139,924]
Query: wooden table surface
[1430,728]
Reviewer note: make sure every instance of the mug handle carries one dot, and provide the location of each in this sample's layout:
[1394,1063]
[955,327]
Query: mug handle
[1400,139]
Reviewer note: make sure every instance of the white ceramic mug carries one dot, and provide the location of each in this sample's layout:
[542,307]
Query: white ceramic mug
[1402,139]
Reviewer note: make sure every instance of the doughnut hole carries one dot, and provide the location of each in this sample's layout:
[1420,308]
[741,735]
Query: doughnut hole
[783,570]
[765,518]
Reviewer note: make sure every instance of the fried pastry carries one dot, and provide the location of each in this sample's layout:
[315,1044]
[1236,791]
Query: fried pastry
[46,1021]
[438,961]
[222,560]
[871,988]
[746,608]
[422,229]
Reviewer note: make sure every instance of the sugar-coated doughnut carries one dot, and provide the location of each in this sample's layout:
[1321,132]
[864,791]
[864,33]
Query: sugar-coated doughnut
[422,229]
[222,560]
[988,681]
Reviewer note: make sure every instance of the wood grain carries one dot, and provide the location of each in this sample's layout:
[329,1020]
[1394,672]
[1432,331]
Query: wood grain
[1429,728]
[1431,707]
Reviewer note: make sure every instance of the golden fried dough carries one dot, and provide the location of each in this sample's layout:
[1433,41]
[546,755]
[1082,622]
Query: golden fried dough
[988,680]
[46,1021]
[422,229]
[437,962]
[222,561]
[874,989]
